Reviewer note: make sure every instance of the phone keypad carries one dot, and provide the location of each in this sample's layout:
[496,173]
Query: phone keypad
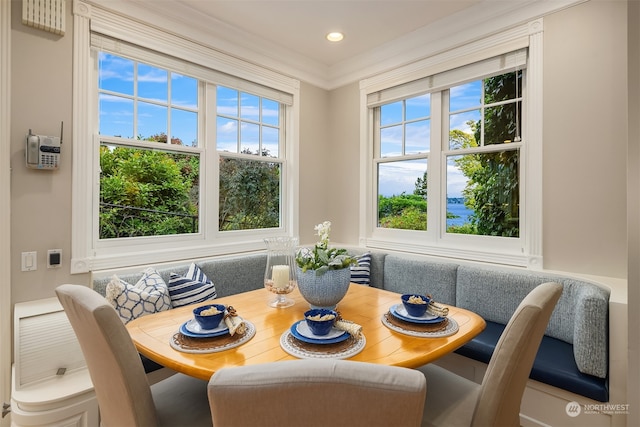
[49,161]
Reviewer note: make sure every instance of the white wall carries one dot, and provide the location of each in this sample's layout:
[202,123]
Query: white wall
[315,162]
[41,81]
[584,148]
[344,157]
[585,139]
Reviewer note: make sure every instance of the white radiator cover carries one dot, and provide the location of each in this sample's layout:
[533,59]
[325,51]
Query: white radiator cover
[45,345]
[50,384]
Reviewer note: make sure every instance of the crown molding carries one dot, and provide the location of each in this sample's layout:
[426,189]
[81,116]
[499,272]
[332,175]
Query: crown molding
[220,36]
[482,20]
[467,26]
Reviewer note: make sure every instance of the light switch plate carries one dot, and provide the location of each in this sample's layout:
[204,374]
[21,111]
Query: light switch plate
[29,261]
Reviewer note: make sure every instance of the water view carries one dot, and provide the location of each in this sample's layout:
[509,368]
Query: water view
[461,212]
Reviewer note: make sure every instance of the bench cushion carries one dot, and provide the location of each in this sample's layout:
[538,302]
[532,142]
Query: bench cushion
[554,363]
[579,318]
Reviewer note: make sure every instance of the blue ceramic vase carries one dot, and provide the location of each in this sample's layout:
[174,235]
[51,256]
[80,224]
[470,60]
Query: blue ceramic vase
[326,290]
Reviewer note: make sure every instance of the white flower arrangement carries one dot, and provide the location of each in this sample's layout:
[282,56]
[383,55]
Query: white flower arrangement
[321,257]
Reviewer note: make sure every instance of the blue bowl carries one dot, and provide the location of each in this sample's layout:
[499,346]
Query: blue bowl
[210,321]
[320,327]
[415,309]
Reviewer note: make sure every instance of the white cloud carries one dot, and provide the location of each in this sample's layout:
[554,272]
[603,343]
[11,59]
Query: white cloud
[229,127]
[398,177]
[456,181]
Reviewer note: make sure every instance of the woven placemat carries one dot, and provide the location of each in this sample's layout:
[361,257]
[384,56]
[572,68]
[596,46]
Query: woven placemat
[187,344]
[303,350]
[430,330]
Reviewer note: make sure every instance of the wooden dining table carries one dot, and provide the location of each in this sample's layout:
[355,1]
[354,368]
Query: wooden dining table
[363,305]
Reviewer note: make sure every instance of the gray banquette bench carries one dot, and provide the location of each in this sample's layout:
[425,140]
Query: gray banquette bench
[573,354]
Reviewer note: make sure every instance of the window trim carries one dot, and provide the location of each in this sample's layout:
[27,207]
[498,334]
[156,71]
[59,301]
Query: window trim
[86,256]
[528,252]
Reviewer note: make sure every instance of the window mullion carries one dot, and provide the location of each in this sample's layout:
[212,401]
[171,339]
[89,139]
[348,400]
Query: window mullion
[436,166]
[169,80]
[376,134]
[209,173]
[135,99]
[482,117]
[492,148]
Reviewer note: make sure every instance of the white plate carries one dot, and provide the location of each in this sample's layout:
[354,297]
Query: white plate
[450,329]
[304,330]
[194,327]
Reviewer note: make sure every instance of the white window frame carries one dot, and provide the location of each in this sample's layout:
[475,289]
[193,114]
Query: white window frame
[88,252]
[524,251]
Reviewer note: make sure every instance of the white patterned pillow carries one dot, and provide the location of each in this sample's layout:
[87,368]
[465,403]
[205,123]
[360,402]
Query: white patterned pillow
[193,288]
[149,295]
[361,273]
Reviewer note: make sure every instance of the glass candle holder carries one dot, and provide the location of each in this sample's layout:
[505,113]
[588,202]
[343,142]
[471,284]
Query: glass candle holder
[280,273]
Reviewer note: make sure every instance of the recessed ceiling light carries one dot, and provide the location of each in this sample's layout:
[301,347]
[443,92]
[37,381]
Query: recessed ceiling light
[335,36]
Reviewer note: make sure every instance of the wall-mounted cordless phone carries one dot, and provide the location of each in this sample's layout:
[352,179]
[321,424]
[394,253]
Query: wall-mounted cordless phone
[43,152]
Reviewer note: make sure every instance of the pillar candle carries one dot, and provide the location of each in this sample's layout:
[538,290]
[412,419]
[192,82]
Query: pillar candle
[280,276]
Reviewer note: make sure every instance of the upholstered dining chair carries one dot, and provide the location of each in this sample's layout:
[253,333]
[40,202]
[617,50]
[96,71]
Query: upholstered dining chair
[456,401]
[123,393]
[317,392]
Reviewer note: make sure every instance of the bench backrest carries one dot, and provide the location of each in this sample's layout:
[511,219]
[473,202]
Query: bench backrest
[230,275]
[581,316]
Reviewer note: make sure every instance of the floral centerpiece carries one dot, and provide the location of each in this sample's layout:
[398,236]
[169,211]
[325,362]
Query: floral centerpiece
[323,272]
[322,258]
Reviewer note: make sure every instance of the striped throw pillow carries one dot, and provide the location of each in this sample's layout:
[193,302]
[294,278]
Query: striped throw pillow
[360,273]
[190,289]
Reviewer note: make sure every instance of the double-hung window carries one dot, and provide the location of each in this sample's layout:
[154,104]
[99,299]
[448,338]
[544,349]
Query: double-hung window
[451,159]
[181,152]
[248,141]
[482,156]
[149,182]
[479,147]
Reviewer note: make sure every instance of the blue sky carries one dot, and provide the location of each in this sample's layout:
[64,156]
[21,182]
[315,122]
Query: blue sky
[162,95]
[249,108]
[170,99]
[400,176]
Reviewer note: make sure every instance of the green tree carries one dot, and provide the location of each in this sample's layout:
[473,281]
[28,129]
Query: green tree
[501,122]
[405,211]
[492,190]
[249,193]
[421,186]
[146,192]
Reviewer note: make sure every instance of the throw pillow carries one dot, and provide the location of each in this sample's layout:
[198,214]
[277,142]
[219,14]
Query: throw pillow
[193,288]
[149,295]
[361,273]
